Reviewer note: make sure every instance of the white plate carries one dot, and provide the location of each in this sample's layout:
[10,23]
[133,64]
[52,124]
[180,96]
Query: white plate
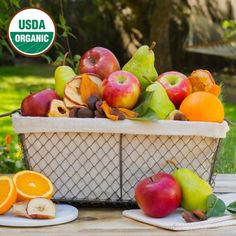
[64,214]
[176,222]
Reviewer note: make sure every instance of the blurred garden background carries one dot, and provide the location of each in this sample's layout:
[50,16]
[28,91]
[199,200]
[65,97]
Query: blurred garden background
[190,34]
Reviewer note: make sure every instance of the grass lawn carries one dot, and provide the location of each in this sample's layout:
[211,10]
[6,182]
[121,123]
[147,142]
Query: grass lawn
[17,82]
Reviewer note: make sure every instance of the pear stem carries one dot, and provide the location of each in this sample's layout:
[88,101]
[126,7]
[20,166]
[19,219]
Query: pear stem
[172,163]
[153,44]
[147,79]
[64,60]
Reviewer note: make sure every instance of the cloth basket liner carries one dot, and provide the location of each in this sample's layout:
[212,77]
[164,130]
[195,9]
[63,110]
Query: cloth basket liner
[99,125]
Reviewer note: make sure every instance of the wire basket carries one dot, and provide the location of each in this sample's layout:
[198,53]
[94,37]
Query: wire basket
[92,162]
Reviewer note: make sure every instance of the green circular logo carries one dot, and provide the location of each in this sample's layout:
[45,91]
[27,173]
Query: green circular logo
[31,32]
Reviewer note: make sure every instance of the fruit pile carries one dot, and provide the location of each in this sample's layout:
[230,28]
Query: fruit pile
[28,193]
[104,90]
[161,194]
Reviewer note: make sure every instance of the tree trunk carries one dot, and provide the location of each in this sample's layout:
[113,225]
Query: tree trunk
[160,24]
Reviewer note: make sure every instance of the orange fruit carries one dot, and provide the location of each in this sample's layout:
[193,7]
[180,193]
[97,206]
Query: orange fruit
[31,184]
[216,89]
[202,106]
[8,194]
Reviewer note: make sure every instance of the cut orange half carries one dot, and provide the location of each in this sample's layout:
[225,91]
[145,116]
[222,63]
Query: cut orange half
[8,194]
[31,184]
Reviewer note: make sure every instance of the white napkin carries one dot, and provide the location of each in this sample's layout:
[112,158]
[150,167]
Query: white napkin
[176,222]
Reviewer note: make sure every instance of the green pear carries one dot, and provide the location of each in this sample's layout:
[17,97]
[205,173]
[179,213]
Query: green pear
[62,75]
[160,102]
[142,65]
[195,190]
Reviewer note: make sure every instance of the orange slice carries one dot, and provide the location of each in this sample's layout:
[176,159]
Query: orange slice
[31,184]
[8,194]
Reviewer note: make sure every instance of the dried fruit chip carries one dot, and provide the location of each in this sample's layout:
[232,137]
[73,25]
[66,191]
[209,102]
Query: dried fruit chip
[128,113]
[216,90]
[108,111]
[200,214]
[92,102]
[72,91]
[116,112]
[73,112]
[58,109]
[201,80]
[88,88]
[85,113]
[99,114]
[189,217]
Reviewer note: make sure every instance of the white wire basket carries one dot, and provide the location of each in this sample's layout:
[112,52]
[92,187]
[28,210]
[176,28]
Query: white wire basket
[97,161]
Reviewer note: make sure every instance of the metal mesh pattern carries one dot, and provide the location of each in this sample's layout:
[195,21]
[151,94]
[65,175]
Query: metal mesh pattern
[104,168]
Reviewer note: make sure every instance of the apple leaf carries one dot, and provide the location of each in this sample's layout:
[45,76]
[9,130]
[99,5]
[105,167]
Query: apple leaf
[232,207]
[145,113]
[144,103]
[215,206]
[150,115]
[143,108]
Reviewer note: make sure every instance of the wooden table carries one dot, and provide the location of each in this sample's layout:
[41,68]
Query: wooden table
[104,222]
[110,222]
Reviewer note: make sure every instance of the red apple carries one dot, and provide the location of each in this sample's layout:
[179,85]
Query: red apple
[177,86]
[159,195]
[38,104]
[121,89]
[100,61]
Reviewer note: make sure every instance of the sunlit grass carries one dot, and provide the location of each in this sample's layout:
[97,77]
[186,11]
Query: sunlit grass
[18,82]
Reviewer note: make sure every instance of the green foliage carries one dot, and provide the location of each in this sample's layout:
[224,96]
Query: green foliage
[145,113]
[229,27]
[232,207]
[6,9]
[10,156]
[215,206]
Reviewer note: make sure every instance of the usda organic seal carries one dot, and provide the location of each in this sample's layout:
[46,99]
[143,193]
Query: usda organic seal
[31,32]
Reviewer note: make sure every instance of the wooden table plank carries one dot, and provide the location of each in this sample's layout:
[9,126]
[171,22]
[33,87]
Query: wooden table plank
[106,222]
[225,183]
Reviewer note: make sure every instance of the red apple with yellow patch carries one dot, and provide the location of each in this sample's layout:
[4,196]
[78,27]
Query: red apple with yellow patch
[121,89]
[177,86]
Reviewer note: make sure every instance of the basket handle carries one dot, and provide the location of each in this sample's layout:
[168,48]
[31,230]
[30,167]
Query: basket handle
[231,123]
[9,113]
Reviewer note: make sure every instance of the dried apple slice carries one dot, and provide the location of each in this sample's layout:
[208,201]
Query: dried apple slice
[19,209]
[69,104]
[41,208]
[58,109]
[72,91]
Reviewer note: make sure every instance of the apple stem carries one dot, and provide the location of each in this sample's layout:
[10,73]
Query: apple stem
[172,163]
[147,79]
[64,60]
[153,44]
